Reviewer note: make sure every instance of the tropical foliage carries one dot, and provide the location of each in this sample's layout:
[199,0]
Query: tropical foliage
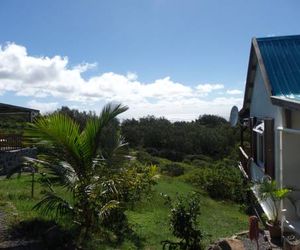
[209,135]
[268,189]
[82,163]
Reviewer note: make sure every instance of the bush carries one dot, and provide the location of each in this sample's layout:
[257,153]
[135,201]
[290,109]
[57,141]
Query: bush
[204,158]
[136,182]
[170,154]
[172,169]
[220,182]
[183,223]
[145,158]
[199,163]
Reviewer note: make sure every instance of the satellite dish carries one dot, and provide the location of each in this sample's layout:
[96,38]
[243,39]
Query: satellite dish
[234,116]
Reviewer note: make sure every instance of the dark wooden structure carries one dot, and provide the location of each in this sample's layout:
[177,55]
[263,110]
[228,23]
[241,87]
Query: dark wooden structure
[8,109]
[8,140]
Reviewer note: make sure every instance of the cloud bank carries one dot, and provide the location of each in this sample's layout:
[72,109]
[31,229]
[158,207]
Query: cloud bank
[43,78]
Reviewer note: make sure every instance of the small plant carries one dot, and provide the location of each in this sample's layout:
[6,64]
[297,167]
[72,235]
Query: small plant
[183,222]
[268,189]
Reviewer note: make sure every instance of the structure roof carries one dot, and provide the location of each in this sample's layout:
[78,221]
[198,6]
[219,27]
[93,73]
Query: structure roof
[281,58]
[8,108]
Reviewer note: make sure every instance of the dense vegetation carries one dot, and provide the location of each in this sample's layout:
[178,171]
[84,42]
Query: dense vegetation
[106,193]
[209,135]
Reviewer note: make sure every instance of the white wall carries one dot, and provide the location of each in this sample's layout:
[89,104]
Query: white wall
[261,107]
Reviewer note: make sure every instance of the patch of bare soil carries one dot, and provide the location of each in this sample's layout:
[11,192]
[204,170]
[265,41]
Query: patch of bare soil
[3,226]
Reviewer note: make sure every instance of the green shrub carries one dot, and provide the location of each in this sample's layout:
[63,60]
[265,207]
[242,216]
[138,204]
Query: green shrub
[198,157]
[199,163]
[145,158]
[172,169]
[187,161]
[183,223]
[135,183]
[220,182]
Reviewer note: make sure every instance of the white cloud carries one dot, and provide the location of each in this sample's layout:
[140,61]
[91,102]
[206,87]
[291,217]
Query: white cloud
[234,92]
[207,87]
[85,66]
[44,107]
[132,76]
[43,77]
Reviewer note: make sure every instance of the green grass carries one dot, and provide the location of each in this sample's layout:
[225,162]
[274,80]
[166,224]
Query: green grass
[16,200]
[149,219]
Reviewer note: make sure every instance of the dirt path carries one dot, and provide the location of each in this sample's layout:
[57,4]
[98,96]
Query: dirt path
[3,226]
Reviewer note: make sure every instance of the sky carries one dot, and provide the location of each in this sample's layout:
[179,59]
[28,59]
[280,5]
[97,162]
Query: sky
[172,58]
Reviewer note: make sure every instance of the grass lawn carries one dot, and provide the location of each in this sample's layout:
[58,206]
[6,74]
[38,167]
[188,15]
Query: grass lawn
[149,219]
[16,200]
[218,218]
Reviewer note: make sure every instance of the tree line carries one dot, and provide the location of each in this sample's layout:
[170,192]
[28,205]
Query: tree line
[209,135]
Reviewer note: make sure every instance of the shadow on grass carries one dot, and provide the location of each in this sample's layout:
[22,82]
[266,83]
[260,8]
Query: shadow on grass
[48,233]
[111,241]
[135,239]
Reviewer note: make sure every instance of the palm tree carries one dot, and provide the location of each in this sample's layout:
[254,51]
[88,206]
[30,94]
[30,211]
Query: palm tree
[81,162]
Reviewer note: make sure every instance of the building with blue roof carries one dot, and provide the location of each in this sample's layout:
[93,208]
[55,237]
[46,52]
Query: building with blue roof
[271,113]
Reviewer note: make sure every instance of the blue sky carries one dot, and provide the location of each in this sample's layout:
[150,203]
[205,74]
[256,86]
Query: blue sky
[171,58]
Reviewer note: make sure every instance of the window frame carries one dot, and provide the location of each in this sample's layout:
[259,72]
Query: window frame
[260,143]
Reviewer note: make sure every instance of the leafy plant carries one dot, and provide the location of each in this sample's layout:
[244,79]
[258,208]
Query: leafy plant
[268,189]
[80,162]
[136,182]
[184,225]
[220,181]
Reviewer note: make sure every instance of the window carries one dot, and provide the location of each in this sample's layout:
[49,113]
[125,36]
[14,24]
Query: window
[260,150]
[260,157]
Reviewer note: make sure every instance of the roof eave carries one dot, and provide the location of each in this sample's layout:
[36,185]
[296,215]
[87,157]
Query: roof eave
[19,108]
[254,60]
[249,80]
[285,103]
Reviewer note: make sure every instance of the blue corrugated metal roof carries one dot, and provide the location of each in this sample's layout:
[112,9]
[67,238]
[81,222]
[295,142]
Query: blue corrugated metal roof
[281,57]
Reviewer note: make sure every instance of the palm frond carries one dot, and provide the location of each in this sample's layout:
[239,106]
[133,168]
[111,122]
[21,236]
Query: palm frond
[90,136]
[60,171]
[105,210]
[113,147]
[108,188]
[52,202]
[59,131]
[65,174]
